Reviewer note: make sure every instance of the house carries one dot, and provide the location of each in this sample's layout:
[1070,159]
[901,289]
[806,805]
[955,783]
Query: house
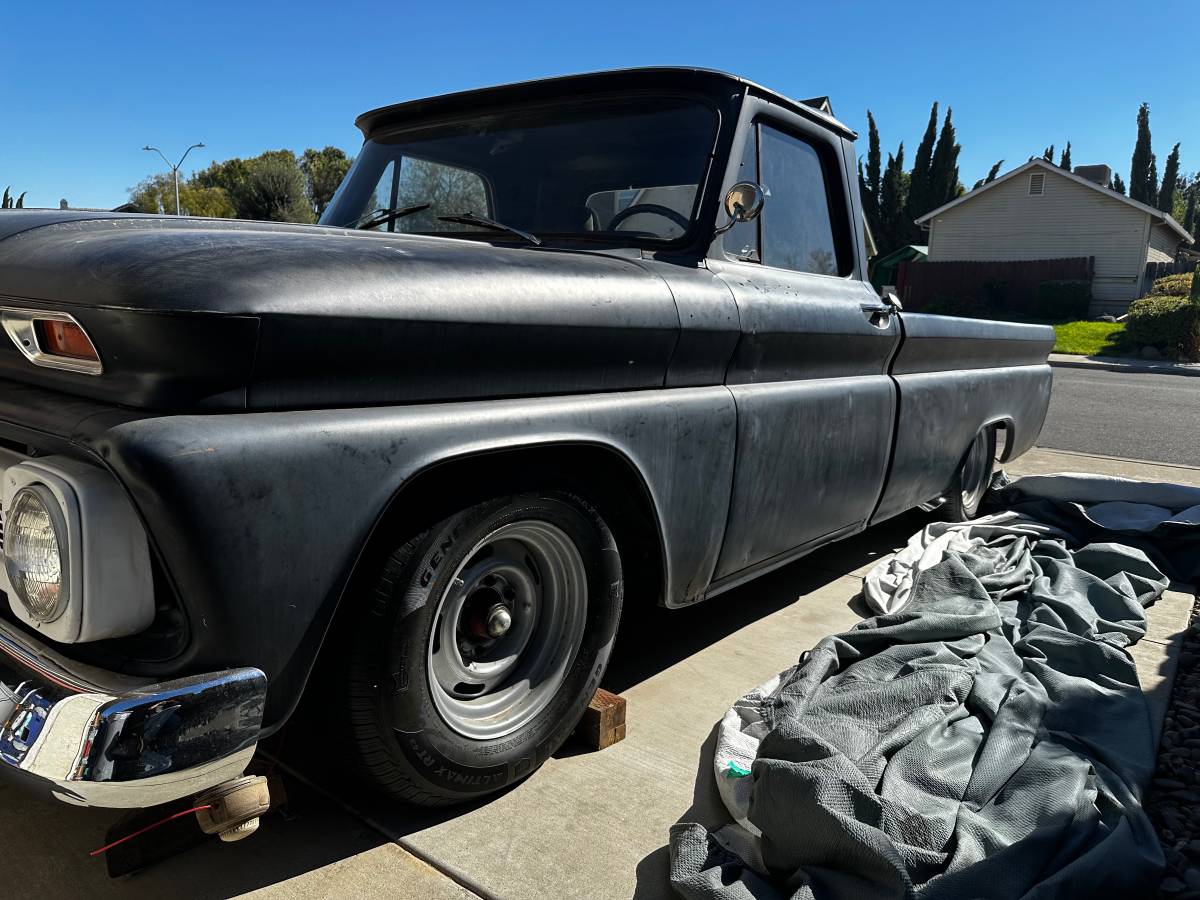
[884,269]
[1039,211]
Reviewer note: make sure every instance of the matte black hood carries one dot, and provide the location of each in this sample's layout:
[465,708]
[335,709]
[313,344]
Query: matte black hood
[210,312]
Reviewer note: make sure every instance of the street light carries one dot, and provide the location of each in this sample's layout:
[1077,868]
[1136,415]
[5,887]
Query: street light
[175,168]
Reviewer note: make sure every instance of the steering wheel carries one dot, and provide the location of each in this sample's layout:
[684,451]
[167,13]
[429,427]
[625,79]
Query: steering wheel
[654,208]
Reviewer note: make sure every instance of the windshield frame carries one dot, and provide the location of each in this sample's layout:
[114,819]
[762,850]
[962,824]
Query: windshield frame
[702,213]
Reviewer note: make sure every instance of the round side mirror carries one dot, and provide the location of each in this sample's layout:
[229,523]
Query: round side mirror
[744,201]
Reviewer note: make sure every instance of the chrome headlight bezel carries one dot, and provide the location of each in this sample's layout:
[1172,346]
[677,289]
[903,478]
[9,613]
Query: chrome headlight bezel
[43,497]
[107,570]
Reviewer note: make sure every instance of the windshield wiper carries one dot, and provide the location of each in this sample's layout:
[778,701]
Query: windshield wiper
[469,218]
[377,217]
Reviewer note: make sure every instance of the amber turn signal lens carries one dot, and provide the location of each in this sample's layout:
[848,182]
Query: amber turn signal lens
[65,339]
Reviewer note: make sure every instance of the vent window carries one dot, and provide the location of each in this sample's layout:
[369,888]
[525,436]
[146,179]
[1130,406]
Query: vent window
[1037,184]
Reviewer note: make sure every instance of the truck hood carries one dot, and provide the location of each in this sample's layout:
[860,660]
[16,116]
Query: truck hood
[192,312]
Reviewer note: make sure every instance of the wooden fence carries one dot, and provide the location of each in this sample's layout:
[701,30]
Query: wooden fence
[1009,285]
[1155,270]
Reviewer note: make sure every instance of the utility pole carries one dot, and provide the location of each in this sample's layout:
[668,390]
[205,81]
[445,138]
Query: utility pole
[175,168]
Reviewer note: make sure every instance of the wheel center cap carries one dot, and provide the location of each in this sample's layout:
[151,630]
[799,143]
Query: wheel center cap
[499,620]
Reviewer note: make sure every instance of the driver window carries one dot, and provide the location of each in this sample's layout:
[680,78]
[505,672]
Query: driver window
[797,221]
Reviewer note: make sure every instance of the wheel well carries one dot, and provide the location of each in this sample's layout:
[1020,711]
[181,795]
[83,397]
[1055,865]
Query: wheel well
[601,476]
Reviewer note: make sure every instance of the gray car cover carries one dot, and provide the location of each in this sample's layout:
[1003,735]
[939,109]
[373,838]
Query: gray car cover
[983,735]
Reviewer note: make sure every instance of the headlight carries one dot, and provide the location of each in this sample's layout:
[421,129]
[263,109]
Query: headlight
[35,538]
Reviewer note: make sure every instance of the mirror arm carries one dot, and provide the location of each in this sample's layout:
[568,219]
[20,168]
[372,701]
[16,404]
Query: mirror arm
[733,220]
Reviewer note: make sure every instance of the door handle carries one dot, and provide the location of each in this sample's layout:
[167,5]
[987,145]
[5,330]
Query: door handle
[878,314]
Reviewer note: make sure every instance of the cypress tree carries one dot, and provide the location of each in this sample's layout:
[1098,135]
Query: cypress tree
[893,224]
[874,176]
[991,175]
[943,167]
[917,203]
[1150,189]
[1166,194]
[1065,161]
[1189,217]
[1139,167]
[870,184]
[1048,154]
[1117,184]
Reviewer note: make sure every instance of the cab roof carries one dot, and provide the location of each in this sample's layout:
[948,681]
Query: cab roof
[707,81]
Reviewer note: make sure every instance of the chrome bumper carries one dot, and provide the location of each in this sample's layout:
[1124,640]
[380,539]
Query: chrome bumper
[96,739]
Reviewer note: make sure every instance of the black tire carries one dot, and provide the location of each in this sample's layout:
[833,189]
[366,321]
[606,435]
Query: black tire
[402,742]
[971,481]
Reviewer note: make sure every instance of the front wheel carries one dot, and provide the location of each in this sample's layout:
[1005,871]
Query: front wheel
[480,645]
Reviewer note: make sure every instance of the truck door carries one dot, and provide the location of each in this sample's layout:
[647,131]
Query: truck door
[815,404]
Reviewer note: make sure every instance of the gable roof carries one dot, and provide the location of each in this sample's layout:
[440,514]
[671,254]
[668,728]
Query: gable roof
[1156,214]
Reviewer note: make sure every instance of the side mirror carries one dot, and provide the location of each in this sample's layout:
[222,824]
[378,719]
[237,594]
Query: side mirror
[892,300]
[743,203]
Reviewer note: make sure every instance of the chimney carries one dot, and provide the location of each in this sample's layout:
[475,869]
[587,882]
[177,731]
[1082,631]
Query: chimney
[1101,174]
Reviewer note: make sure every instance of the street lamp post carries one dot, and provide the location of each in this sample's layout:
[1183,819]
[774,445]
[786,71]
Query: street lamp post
[175,168]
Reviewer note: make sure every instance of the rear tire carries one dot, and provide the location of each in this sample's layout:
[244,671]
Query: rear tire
[479,645]
[971,481]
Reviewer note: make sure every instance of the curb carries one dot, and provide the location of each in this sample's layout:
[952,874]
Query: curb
[1123,364]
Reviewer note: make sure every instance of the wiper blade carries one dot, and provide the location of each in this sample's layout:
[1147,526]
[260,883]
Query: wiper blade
[377,217]
[469,218]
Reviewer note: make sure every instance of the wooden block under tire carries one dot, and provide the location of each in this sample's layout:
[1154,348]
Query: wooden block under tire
[603,722]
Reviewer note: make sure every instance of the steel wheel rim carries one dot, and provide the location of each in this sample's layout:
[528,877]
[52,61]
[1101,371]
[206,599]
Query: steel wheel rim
[975,473]
[486,686]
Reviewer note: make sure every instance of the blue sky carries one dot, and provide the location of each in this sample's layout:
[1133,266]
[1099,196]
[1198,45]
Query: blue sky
[83,86]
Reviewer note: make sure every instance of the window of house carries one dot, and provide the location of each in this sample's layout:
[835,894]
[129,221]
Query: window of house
[1037,183]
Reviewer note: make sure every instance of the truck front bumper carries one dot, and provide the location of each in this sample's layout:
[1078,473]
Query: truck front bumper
[93,738]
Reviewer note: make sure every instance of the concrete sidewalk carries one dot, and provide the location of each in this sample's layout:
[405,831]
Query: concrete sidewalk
[1124,364]
[588,825]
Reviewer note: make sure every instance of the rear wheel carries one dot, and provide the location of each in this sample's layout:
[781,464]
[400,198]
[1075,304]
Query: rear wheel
[480,645]
[971,480]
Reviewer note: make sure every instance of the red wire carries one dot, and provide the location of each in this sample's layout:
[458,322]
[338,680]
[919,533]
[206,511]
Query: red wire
[130,837]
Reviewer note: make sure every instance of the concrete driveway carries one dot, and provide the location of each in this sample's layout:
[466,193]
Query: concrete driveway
[588,825]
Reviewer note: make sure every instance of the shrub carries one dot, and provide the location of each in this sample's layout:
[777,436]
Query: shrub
[963,307]
[1172,324]
[1195,294]
[995,293]
[1066,299]
[1172,285]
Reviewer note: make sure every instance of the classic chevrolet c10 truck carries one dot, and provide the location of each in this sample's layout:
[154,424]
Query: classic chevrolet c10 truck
[554,348]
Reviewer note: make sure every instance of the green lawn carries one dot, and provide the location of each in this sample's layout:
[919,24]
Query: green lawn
[1090,338]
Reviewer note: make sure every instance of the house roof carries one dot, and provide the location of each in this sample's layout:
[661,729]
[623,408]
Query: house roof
[1156,214]
[908,251]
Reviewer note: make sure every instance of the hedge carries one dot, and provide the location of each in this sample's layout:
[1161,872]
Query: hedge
[1172,285]
[1171,324]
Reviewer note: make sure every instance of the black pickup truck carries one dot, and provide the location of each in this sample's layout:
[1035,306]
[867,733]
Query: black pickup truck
[555,348]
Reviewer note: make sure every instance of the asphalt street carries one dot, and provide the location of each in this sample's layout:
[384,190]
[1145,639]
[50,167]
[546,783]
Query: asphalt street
[1137,416]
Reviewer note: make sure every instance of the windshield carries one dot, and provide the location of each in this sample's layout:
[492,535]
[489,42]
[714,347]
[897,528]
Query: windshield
[624,170]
